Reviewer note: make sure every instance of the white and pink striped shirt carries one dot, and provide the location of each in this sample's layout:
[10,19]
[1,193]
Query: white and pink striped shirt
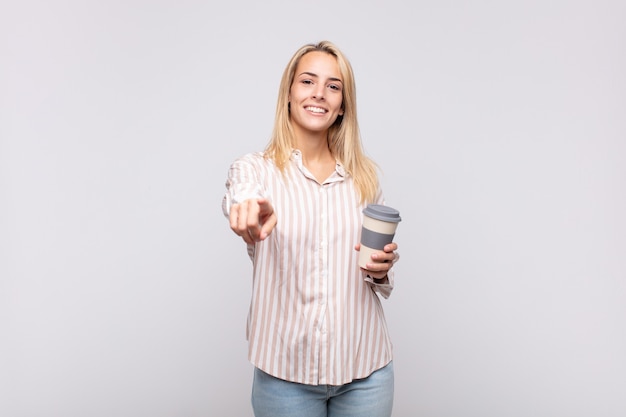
[314,318]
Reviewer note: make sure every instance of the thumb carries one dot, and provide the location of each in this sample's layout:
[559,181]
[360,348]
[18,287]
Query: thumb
[268,226]
[265,208]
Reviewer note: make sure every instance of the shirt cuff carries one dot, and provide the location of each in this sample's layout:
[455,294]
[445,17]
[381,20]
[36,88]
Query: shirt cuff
[239,196]
[383,286]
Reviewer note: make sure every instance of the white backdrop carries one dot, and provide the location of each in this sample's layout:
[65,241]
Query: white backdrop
[501,131]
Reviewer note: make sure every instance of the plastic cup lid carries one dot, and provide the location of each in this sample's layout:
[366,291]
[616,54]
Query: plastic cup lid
[384,213]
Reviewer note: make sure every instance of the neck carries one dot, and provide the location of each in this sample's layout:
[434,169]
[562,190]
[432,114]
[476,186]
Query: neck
[316,155]
[314,147]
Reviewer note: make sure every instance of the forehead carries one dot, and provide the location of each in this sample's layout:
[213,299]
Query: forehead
[319,63]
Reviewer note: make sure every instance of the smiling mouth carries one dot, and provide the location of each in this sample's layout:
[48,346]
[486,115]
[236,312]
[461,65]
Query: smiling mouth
[315,109]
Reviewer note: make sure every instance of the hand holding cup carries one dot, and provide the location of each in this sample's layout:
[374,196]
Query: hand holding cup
[379,228]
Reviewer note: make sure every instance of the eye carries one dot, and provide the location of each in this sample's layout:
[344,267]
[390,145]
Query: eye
[306,81]
[335,87]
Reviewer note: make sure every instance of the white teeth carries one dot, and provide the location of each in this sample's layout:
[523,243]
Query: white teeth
[316,110]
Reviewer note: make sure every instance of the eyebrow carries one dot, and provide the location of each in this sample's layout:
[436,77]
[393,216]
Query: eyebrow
[317,76]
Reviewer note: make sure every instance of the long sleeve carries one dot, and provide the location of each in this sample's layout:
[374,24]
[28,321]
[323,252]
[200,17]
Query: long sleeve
[244,182]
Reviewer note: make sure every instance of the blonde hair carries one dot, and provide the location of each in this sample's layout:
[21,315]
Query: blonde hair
[344,138]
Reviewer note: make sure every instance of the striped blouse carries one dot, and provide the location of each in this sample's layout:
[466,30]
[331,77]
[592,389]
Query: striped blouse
[315,318]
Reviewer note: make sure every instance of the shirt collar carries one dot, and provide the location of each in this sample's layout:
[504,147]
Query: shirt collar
[296,155]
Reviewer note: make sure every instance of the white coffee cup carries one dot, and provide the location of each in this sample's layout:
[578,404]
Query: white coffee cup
[379,227]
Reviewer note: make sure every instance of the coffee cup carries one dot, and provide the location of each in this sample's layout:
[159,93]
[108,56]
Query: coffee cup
[379,227]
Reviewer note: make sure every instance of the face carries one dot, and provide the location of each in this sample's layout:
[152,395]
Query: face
[316,94]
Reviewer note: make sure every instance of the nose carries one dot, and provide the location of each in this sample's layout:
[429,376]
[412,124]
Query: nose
[318,94]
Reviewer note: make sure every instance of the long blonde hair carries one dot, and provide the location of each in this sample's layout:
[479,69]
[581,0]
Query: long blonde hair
[344,138]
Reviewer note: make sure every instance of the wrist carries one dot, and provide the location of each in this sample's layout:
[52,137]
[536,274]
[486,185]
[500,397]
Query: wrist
[382,280]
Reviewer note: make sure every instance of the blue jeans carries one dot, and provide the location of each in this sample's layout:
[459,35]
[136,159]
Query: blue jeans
[368,397]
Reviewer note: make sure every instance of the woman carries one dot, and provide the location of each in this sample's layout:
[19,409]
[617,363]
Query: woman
[316,329]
